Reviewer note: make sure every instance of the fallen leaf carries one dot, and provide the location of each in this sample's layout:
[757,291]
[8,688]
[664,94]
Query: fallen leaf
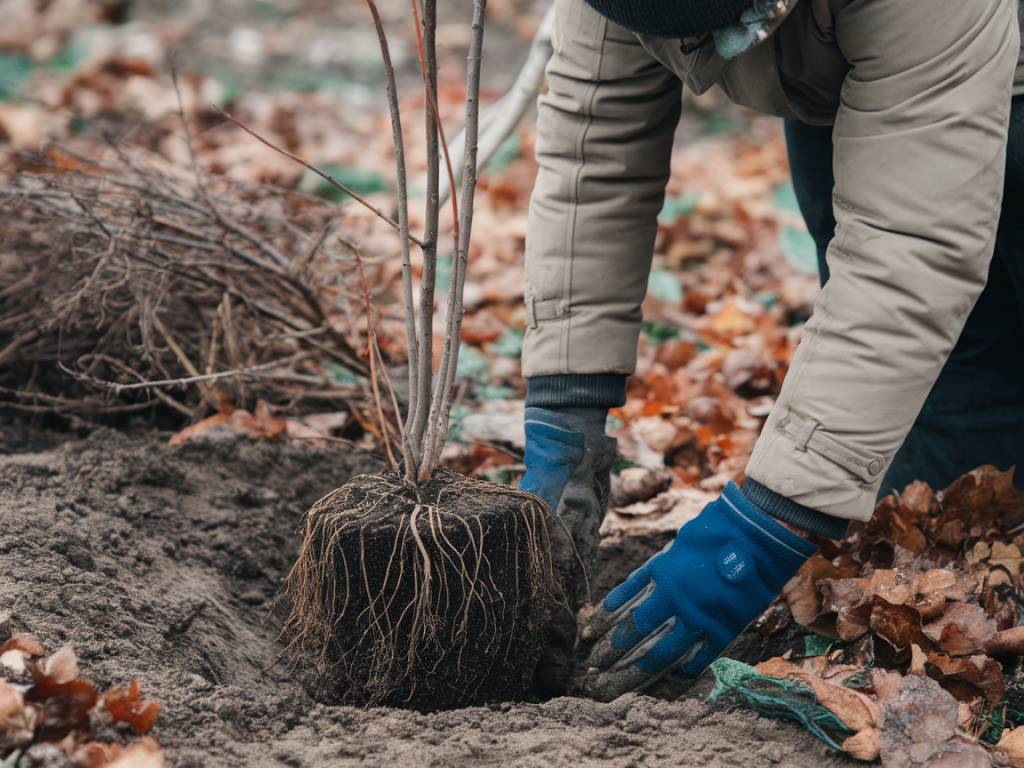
[62,666]
[898,625]
[918,722]
[1009,642]
[801,591]
[917,660]
[142,754]
[1010,749]
[27,644]
[638,484]
[11,701]
[855,709]
[863,745]
[126,705]
[962,630]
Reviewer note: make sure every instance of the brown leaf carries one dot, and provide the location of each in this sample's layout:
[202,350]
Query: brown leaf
[962,630]
[1010,749]
[27,644]
[863,745]
[917,500]
[967,678]
[1009,642]
[852,607]
[918,722]
[675,353]
[801,591]
[982,497]
[857,710]
[126,705]
[62,666]
[144,753]
[11,701]
[898,625]
[917,660]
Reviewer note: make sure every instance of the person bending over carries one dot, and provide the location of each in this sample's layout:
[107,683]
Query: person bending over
[900,116]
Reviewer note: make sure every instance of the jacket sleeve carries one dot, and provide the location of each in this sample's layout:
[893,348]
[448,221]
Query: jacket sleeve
[919,157]
[604,142]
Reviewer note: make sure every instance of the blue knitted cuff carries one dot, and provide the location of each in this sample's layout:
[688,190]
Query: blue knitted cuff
[788,511]
[606,390]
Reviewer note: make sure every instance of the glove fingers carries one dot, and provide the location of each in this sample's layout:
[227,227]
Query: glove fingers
[610,684]
[701,661]
[628,594]
[635,627]
[673,650]
[612,673]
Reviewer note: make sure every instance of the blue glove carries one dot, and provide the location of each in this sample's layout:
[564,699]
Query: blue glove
[568,464]
[680,610]
[554,450]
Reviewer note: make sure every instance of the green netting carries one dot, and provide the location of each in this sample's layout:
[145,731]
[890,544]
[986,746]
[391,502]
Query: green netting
[771,697]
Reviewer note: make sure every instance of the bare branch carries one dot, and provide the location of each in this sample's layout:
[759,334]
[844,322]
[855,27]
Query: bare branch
[117,388]
[322,174]
[409,449]
[437,431]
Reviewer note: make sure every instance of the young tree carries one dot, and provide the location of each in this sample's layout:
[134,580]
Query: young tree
[418,585]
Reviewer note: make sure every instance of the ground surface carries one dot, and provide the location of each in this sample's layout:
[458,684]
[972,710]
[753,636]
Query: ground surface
[162,563]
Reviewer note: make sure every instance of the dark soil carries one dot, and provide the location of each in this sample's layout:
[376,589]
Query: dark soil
[162,563]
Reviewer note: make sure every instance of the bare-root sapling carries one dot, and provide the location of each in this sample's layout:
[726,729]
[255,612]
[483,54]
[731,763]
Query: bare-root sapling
[419,586]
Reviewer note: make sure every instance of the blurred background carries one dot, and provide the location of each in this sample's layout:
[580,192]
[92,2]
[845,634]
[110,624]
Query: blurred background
[734,272]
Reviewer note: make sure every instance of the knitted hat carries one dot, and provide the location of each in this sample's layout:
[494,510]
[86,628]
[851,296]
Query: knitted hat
[671,18]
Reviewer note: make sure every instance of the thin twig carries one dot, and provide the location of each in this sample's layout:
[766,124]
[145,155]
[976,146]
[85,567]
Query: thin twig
[437,431]
[322,174]
[371,343]
[499,120]
[410,450]
[117,388]
[426,43]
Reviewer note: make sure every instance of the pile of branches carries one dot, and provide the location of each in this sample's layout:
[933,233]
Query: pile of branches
[129,283]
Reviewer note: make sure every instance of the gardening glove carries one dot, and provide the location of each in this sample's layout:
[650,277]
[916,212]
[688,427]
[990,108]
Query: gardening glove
[568,461]
[568,464]
[681,609]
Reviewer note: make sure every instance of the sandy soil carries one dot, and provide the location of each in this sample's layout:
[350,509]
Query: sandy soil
[162,563]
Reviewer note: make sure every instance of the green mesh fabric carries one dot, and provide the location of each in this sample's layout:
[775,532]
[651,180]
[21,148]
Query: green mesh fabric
[771,697]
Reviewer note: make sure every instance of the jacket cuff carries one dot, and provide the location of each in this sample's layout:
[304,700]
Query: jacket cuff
[789,511]
[606,390]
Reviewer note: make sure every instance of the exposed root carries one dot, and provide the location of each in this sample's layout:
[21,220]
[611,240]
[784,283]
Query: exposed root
[426,596]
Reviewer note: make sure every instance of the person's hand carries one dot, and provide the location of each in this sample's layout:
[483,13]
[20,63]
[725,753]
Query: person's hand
[555,448]
[568,464]
[680,610]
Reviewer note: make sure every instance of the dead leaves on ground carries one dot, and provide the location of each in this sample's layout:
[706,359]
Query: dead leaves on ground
[48,714]
[922,606]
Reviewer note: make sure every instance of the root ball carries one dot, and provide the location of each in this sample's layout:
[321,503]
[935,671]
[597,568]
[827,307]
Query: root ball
[432,597]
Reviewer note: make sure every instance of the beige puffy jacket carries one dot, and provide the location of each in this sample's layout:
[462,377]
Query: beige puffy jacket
[919,93]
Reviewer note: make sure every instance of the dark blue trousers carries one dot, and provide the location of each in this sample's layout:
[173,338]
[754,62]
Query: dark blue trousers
[975,412]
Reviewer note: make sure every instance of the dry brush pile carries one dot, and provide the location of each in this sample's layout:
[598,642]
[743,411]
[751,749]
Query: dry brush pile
[129,283]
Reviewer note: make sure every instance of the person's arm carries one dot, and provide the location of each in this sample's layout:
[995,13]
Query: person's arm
[920,142]
[604,143]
